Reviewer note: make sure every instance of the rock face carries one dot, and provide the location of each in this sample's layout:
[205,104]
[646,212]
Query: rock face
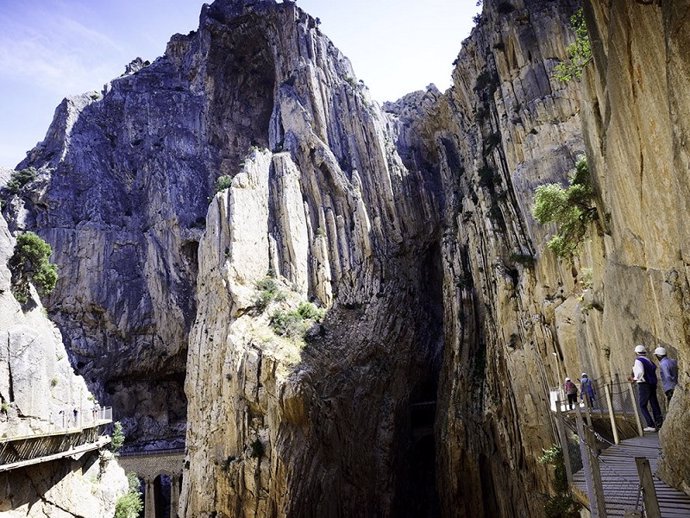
[424,390]
[38,388]
[503,128]
[322,427]
[39,393]
[637,124]
[86,487]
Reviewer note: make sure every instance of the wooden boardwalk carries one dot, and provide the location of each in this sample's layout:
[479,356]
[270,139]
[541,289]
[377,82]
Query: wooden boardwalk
[621,482]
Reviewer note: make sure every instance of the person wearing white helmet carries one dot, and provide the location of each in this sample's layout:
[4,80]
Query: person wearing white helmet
[644,374]
[668,368]
[587,392]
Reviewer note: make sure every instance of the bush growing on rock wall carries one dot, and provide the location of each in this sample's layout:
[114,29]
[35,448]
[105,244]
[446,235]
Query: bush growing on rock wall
[560,505]
[295,323]
[130,505]
[269,291]
[30,263]
[579,53]
[570,209]
[118,437]
[19,179]
[223,182]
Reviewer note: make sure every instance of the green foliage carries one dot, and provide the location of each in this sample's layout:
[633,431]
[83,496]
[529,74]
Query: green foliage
[570,209]
[130,505]
[269,291]
[30,263]
[223,182]
[296,322]
[4,407]
[560,505]
[118,438]
[258,449]
[579,52]
[54,382]
[19,179]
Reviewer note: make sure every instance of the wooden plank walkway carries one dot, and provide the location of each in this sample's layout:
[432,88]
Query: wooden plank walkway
[621,482]
[100,443]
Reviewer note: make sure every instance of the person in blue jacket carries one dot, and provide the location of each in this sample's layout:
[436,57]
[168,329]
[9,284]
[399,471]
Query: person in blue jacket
[668,368]
[587,392]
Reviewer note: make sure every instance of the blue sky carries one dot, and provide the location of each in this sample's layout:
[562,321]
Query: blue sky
[50,49]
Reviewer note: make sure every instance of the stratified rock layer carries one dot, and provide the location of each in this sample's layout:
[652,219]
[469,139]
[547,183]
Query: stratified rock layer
[637,126]
[284,427]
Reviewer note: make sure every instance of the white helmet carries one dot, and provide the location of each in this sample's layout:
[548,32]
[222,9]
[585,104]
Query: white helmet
[640,349]
[567,379]
[660,351]
[583,375]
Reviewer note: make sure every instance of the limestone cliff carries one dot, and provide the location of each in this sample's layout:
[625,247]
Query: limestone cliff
[315,426]
[39,393]
[637,124]
[424,390]
[503,128]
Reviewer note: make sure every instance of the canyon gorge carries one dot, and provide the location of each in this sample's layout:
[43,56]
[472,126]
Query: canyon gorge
[340,308]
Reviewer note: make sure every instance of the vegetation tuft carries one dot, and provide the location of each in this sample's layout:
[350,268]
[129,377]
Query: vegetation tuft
[130,505]
[31,263]
[295,323]
[20,178]
[269,291]
[579,52]
[223,182]
[118,438]
[562,504]
[570,209]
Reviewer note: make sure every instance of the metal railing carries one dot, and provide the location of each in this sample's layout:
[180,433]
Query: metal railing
[76,418]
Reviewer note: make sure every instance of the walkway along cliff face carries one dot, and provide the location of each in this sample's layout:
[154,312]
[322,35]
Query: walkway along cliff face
[637,124]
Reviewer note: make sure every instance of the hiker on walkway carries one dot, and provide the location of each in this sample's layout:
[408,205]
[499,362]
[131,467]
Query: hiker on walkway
[587,392]
[668,368]
[571,391]
[644,374]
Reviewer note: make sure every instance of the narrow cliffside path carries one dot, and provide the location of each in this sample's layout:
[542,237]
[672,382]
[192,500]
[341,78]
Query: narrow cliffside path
[621,482]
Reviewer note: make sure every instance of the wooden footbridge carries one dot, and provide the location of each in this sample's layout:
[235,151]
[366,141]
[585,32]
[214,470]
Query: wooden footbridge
[613,471]
[624,482]
[26,450]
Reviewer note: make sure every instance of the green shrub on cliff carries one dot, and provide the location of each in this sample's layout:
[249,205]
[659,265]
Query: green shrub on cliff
[31,263]
[295,323]
[130,505]
[579,52]
[570,209]
[20,178]
[223,182]
[118,438]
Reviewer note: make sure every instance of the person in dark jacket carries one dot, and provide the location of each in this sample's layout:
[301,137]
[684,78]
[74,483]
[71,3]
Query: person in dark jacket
[668,368]
[644,374]
[571,391]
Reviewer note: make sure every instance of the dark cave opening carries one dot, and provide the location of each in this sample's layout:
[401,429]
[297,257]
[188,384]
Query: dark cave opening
[419,498]
[241,69]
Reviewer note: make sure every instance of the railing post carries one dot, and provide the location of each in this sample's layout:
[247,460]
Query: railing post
[636,409]
[560,425]
[584,453]
[651,504]
[612,416]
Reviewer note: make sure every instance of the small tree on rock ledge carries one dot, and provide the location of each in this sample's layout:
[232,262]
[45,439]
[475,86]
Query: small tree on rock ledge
[31,263]
[570,209]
